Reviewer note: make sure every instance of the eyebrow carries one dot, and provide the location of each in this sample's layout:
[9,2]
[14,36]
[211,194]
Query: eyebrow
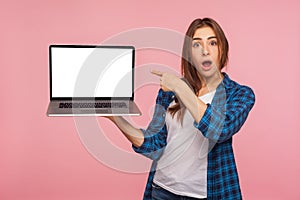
[209,38]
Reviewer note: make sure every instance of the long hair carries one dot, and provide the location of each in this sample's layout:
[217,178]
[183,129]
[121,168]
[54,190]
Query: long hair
[188,70]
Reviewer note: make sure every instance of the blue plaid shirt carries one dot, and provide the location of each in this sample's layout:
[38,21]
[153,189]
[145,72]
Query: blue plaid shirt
[222,119]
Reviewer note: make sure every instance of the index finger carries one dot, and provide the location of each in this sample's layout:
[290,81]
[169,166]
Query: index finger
[158,73]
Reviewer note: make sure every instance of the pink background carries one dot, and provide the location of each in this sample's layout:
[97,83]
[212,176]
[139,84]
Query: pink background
[43,158]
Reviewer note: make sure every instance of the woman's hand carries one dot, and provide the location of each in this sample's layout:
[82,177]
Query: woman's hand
[184,92]
[168,82]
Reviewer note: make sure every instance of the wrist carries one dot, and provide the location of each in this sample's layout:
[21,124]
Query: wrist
[181,86]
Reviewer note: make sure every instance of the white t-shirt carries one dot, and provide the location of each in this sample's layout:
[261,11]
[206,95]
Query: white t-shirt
[182,169]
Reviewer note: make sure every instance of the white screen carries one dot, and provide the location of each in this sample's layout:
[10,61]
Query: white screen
[91,72]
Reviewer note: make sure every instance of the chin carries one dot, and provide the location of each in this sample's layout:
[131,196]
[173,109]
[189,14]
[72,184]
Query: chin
[209,73]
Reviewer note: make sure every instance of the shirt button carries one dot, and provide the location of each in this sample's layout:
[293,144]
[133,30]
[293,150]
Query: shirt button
[164,115]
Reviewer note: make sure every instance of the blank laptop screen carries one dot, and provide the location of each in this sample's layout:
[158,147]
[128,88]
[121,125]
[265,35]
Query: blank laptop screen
[90,71]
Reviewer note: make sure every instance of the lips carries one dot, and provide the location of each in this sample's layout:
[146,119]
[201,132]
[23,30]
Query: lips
[207,64]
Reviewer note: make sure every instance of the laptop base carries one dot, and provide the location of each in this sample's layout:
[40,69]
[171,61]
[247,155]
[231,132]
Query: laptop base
[54,109]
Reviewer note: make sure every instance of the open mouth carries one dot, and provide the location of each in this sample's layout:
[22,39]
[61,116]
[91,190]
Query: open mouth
[206,63]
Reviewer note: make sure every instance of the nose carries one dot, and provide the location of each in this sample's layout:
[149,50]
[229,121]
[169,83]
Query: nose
[205,51]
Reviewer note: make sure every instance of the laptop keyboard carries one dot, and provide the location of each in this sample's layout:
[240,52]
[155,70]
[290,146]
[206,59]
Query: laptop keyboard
[93,105]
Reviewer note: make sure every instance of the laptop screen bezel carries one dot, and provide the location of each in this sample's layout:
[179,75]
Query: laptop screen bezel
[91,46]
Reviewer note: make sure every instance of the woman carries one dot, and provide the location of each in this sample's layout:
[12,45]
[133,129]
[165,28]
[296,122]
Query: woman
[190,136]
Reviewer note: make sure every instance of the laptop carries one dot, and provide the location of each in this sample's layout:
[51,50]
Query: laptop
[90,80]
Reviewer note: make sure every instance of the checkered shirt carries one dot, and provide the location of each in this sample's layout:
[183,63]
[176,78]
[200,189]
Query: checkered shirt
[222,119]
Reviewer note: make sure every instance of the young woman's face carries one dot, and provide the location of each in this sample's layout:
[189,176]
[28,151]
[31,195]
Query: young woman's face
[205,53]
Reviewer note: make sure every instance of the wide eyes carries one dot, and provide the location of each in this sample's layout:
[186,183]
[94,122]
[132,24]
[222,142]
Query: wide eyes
[211,43]
[196,44]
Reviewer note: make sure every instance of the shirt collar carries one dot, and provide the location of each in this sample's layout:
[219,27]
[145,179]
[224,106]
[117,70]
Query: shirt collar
[226,80]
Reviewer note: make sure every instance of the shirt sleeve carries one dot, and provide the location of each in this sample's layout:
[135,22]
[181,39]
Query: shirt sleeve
[155,136]
[221,122]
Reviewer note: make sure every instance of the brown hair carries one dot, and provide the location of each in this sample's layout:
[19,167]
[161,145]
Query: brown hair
[189,71]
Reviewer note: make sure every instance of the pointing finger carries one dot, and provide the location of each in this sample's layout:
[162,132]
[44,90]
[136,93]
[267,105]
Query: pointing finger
[158,73]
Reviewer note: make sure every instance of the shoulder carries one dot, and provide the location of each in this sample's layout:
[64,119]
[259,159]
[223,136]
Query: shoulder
[234,89]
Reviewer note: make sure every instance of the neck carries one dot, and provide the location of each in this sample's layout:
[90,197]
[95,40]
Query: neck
[211,83]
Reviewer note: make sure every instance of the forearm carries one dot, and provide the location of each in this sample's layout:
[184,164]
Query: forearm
[134,135]
[187,97]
